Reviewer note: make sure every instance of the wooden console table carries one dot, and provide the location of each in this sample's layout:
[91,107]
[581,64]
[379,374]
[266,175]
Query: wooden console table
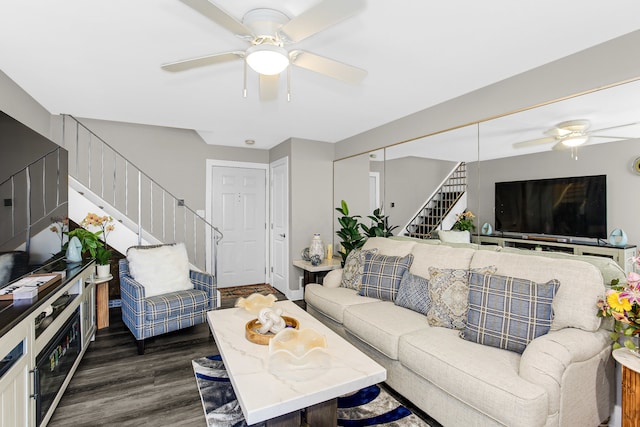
[315,273]
[630,386]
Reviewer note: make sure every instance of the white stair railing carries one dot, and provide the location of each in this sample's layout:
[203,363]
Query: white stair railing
[129,191]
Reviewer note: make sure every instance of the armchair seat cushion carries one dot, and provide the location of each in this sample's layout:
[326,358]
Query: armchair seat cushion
[174,304]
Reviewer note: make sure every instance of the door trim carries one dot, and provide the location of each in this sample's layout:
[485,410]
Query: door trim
[210,164]
[282,161]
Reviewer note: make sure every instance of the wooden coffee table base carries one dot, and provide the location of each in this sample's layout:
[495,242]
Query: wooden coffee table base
[320,415]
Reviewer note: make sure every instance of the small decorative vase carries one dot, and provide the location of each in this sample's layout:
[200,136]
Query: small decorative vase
[74,250]
[316,250]
[103,270]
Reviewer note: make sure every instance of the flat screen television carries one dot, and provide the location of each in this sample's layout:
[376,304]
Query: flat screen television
[574,207]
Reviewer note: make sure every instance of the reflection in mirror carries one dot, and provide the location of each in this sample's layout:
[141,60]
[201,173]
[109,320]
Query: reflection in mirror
[534,144]
[358,180]
[427,181]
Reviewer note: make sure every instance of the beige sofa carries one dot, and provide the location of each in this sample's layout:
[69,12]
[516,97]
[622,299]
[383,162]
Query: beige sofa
[563,378]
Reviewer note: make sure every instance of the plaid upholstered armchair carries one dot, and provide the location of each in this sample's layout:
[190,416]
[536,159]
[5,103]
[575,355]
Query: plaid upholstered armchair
[153,304]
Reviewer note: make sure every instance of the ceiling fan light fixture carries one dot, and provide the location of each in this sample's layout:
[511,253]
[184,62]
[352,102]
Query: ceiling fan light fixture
[267,59]
[575,141]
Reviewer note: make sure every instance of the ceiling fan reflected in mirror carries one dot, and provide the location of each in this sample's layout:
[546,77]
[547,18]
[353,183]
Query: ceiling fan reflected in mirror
[572,134]
[269,32]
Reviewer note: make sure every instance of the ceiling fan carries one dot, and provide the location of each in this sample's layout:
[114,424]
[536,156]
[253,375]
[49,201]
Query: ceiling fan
[570,134]
[268,32]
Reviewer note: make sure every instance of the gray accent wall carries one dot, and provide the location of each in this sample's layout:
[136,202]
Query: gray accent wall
[310,195]
[21,106]
[175,158]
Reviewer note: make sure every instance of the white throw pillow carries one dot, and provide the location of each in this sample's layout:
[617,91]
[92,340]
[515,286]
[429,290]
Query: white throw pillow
[161,269]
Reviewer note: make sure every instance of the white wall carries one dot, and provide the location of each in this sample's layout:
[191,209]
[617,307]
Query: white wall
[599,66]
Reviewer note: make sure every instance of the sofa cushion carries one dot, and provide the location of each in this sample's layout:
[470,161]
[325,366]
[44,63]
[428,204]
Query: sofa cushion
[333,301]
[482,377]
[414,293]
[381,324]
[449,294]
[508,312]
[353,267]
[175,304]
[382,275]
[160,269]
[582,284]
[388,246]
[440,256]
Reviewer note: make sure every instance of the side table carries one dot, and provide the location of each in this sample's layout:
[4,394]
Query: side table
[630,386]
[102,300]
[315,273]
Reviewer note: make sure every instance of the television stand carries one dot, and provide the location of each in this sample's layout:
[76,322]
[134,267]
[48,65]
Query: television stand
[622,256]
[546,238]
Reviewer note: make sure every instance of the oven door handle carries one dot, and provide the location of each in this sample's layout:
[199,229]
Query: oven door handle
[36,383]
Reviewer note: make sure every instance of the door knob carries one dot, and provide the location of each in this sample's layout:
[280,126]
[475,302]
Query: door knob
[282,235]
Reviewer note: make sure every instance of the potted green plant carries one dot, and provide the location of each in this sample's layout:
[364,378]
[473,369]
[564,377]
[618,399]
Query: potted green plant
[89,241]
[349,233]
[103,257]
[379,226]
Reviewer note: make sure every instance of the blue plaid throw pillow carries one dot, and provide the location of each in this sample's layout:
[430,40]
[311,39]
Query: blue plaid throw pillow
[414,293]
[508,312]
[382,275]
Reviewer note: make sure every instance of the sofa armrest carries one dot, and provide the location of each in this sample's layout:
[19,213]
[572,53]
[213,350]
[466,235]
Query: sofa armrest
[332,279]
[548,358]
[205,282]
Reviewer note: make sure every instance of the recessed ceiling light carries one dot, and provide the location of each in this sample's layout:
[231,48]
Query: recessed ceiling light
[249,141]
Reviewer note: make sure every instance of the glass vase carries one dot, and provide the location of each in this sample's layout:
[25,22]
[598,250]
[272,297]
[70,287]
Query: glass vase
[316,250]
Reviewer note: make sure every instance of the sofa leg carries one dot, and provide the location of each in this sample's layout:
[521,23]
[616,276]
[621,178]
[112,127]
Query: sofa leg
[140,346]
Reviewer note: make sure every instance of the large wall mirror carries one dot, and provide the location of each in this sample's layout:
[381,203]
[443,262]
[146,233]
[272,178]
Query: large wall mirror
[522,146]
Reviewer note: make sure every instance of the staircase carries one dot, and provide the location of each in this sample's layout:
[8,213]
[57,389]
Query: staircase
[101,177]
[441,205]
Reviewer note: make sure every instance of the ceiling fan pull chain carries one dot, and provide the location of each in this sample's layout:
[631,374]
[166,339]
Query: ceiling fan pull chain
[244,88]
[288,84]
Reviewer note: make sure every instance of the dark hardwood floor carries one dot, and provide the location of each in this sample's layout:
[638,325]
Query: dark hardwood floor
[115,386]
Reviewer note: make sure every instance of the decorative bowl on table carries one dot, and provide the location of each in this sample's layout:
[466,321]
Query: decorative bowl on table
[256,302]
[252,330]
[298,355]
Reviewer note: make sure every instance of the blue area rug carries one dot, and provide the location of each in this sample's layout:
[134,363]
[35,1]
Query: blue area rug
[370,406]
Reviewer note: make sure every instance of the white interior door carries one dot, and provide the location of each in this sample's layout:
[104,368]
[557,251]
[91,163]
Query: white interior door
[238,206]
[279,191]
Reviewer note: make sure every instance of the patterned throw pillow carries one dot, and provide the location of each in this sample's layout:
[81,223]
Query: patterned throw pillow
[414,293]
[449,294]
[353,267]
[508,312]
[382,275]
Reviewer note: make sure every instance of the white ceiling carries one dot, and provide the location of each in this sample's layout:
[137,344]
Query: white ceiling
[101,59]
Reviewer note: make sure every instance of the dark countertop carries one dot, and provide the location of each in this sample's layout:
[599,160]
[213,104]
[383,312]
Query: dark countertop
[13,312]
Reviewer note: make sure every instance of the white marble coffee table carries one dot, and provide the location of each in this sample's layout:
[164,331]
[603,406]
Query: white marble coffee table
[264,396]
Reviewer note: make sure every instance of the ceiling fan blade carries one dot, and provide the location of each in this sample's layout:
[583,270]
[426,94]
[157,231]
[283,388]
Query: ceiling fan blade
[201,61]
[532,142]
[559,146]
[614,127]
[557,132]
[268,87]
[319,17]
[219,16]
[328,67]
[611,137]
